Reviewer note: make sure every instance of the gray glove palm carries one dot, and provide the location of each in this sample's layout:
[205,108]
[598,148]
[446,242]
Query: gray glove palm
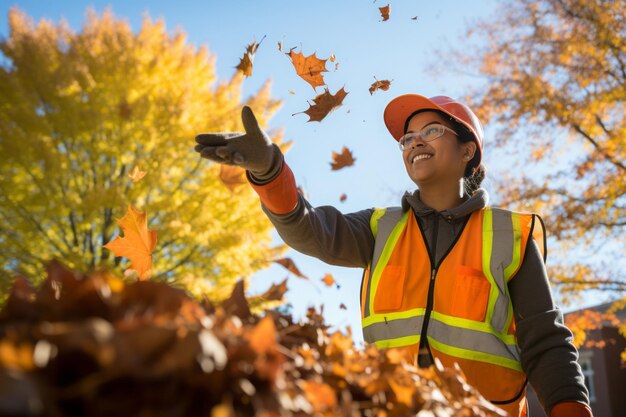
[252,150]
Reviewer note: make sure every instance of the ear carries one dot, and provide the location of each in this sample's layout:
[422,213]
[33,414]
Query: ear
[470,151]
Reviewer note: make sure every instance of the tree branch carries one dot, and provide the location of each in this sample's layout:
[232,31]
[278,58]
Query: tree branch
[595,144]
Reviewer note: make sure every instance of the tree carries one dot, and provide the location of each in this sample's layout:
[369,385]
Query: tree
[555,74]
[80,111]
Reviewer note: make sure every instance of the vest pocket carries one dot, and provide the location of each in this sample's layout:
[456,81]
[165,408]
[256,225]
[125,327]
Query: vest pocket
[390,289]
[471,294]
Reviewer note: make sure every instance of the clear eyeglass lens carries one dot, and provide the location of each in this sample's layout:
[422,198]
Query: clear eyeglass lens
[432,132]
[428,133]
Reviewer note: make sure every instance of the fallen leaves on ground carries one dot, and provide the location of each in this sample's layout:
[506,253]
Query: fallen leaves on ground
[323,104]
[137,243]
[95,345]
[342,160]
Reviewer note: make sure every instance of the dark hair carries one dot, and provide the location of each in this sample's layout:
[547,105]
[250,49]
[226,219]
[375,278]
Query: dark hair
[472,178]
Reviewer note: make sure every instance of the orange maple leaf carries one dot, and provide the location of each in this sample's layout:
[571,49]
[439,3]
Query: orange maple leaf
[380,85]
[309,68]
[232,176]
[138,242]
[136,174]
[289,264]
[343,197]
[384,12]
[324,104]
[342,160]
[245,63]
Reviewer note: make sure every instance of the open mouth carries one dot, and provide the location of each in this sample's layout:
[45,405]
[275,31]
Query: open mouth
[421,157]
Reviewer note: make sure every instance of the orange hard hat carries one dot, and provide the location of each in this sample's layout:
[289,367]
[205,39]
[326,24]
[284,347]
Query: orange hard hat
[400,108]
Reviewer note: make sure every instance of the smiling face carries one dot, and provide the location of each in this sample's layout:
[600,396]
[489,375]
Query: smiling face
[442,160]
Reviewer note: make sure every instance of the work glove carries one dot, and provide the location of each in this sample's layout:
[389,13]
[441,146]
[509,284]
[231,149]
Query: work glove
[253,150]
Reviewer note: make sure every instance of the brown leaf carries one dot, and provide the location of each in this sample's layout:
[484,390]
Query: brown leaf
[245,63]
[342,160]
[323,104]
[343,197]
[232,176]
[342,306]
[384,12]
[290,266]
[309,68]
[280,46]
[332,57]
[380,85]
[237,304]
[275,292]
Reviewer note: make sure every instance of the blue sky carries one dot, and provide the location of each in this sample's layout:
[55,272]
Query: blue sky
[400,49]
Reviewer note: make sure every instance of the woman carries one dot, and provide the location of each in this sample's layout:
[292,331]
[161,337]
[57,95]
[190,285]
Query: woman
[446,276]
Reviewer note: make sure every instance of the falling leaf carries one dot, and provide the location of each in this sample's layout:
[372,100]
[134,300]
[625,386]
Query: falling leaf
[275,292]
[245,63]
[136,174]
[309,68]
[384,12]
[342,160]
[280,46]
[328,280]
[414,18]
[290,266]
[138,242]
[332,57]
[380,85]
[292,92]
[324,104]
[342,306]
[336,66]
[232,176]
[343,197]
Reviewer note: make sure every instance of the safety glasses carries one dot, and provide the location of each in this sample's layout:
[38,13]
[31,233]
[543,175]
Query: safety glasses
[428,134]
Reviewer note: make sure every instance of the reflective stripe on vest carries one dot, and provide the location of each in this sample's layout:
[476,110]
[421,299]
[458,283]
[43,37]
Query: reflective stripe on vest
[383,222]
[485,341]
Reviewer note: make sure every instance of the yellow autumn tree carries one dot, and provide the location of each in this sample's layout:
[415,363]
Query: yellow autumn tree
[80,111]
[555,88]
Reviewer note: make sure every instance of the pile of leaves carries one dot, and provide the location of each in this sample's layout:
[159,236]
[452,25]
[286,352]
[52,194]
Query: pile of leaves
[95,345]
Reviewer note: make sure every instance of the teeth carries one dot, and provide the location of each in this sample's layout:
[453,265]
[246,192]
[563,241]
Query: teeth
[422,156]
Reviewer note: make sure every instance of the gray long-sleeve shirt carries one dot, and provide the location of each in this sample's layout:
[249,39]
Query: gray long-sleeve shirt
[548,356]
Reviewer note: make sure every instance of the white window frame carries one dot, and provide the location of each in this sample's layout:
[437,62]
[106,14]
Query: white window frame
[585,358]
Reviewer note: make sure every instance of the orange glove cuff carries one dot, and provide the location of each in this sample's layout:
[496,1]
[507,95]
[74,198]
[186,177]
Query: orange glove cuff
[281,195]
[571,409]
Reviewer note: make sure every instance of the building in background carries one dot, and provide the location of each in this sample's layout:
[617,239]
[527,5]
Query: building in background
[605,375]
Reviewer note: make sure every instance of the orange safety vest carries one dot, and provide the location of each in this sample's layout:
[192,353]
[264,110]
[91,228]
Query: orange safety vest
[462,305]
